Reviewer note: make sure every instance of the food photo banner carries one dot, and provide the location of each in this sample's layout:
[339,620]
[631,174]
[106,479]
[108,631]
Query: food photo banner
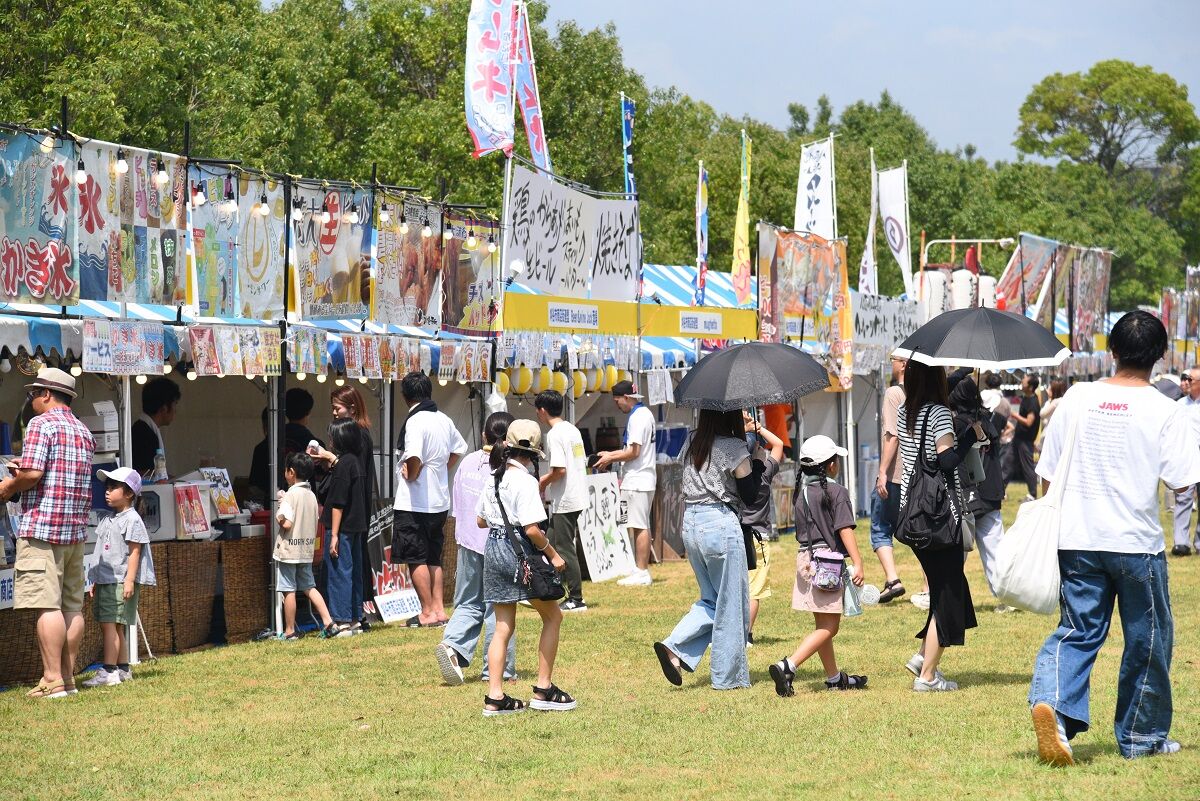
[213,252]
[261,245]
[331,247]
[471,285]
[407,263]
[572,244]
[123,347]
[234,350]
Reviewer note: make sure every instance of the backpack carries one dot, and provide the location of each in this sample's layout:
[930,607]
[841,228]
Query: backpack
[926,521]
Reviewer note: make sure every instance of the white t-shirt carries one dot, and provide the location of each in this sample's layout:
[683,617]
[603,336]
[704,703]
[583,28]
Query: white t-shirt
[565,447]
[431,437]
[521,497]
[1192,409]
[639,472]
[1128,439]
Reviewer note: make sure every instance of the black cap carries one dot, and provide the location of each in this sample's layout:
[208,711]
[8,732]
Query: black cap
[625,389]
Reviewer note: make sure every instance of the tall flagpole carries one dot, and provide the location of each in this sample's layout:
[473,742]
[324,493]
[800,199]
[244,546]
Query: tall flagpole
[833,185]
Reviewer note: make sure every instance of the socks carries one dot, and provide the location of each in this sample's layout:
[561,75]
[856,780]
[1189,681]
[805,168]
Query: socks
[123,666]
[834,678]
[111,668]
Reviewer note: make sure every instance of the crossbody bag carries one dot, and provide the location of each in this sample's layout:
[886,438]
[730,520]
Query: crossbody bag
[534,573]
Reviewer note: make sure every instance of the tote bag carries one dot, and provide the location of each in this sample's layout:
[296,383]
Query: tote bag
[1027,574]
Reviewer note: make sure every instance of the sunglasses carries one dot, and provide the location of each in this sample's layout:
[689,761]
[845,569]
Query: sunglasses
[1185,378]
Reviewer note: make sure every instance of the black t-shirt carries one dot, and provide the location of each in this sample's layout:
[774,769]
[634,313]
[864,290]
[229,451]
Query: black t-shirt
[345,493]
[145,446]
[1029,433]
[260,469]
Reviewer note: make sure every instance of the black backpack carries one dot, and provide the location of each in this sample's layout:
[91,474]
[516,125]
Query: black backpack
[926,521]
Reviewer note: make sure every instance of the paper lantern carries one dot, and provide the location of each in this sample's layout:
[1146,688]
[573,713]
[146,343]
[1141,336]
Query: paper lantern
[593,379]
[609,378]
[522,380]
[558,382]
[541,379]
[578,384]
[503,384]
[623,375]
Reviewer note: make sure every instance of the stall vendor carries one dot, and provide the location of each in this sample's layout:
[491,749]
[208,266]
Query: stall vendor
[160,398]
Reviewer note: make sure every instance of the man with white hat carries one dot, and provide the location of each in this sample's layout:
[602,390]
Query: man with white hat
[638,477]
[55,475]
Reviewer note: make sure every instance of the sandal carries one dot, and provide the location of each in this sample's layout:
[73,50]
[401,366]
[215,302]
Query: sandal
[891,591]
[503,706]
[845,681]
[783,675]
[552,700]
[669,668]
[44,690]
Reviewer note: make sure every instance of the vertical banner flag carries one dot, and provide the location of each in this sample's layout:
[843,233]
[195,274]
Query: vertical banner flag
[1021,282]
[816,211]
[628,110]
[37,222]
[701,236]
[741,234]
[488,76]
[331,245]
[471,277]
[893,209]
[262,236]
[1090,287]
[407,264]
[526,88]
[812,288]
[213,247]
[769,328]
[868,279]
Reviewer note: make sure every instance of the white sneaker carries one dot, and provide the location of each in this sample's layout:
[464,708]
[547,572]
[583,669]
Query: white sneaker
[916,662]
[104,679]
[1168,746]
[126,675]
[447,659]
[638,578]
[920,600]
[940,684]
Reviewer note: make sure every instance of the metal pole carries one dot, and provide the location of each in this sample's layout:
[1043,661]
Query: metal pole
[833,186]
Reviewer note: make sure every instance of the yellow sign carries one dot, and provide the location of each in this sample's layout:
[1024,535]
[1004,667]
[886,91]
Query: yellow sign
[578,316]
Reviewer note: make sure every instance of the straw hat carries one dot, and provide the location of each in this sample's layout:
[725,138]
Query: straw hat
[55,379]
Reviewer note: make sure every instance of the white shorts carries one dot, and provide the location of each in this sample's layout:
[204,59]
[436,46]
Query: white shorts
[637,503]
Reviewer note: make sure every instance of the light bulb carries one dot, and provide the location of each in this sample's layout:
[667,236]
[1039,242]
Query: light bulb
[384,215]
[301,376]
[362,379]
[266,379]
[122,164]
[220,375]
[325,215]
[403,227]
[161,176]
[448,234]
[167,368]
[198,197]
[264,208]
[491,244]
[322,378]
[80,173]
[191,375]
[472,241]
[352,215]
[141,378]
[297,213]
[443,382]
[426,232]
[340,382]
[47,144]
[249,377]
[76,370]
[230,204]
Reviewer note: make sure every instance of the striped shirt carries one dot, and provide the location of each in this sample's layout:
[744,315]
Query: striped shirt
[940,423]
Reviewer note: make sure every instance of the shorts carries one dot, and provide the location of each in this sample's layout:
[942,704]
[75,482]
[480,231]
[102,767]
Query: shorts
[760,577]
[883,513]
[637,503]
[500,567]
[48,576]
[294,577]
[112,608]
[806,597]
[418,538]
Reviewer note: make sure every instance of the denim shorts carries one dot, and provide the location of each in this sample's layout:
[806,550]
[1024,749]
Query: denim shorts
[881,529]
[294,577]
[500,569]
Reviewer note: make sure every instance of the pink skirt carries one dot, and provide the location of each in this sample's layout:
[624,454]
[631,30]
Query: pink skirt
[806,597]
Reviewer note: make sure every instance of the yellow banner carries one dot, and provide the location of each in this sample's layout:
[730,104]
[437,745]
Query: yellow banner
[699,322]
[741,234]
[579,316]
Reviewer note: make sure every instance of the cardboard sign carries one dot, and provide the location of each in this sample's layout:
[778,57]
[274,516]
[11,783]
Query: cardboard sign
[605,544]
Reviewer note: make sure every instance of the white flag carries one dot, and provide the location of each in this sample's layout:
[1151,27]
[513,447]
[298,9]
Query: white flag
[815,199]
[868,282]
[893,208]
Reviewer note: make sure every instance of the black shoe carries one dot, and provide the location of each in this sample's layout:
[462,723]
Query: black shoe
[750,638]
[891,591]
[573,605]
[783,676]
[845,681]
[1181,550]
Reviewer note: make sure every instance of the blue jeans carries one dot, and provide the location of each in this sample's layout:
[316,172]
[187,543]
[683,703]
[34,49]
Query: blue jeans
[340,580]
[881,530]
[721,618]
[472,616]
[1091,582]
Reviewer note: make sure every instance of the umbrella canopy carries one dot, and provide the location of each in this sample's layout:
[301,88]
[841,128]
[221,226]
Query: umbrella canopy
[753,374]
[983,338]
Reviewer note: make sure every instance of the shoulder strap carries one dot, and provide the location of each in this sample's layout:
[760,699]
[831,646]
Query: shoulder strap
[812,524]
[513,537]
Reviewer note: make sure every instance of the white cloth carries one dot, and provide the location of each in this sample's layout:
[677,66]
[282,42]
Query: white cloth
[148,420]
[639,473]
[1129,438]
[431,437]
[1192,409]
[520,495]
[564,446]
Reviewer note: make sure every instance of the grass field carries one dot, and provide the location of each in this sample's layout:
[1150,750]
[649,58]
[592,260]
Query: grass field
[368,717]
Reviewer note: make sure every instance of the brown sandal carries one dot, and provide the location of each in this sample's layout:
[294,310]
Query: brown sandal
[44,690]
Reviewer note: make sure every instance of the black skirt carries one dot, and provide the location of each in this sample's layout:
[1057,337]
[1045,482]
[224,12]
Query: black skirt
[949,596]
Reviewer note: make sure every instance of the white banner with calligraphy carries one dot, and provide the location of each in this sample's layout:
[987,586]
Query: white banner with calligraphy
[605,545]
[815,210]
[880,324]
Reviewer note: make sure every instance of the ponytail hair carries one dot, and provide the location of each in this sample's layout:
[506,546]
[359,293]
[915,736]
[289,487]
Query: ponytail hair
[821,472]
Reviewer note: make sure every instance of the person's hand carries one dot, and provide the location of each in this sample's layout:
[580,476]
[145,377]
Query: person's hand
[279,495]
[558,563]
[856,575]
[127,590]
[749,423]
[323,455]
[404,470]
[881,486]
[92,591]
[603,460]
[333,546]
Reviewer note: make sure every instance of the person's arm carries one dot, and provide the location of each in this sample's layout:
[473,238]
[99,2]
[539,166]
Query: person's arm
[856,575]
[774,443]
[552,475]
[534,532]
[411,468]
[1025,419]
[747,477]
[453,460]
[131,569]
[21,480]
[479,521]
[887,460]
[335,516]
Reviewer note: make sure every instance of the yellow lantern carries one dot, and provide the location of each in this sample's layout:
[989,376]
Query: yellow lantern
[593,379]
[541,379]
[503,384]
[609,378]
[523,379]
[578,384]
[558,382]
[623,375]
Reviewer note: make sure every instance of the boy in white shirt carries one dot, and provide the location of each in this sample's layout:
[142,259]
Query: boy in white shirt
[294,545]
[565,487]
[638,478]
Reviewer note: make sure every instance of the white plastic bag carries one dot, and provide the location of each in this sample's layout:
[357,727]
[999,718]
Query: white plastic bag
[1027,575]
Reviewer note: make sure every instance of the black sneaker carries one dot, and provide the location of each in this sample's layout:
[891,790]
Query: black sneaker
[783,675]
[1181,550]
[573,605]
[845,681]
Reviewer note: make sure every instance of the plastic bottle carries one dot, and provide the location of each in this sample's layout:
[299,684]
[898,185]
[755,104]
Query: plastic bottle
[160,467]
[869,594]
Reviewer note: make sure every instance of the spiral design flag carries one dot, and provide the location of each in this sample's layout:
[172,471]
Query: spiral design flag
[526,88]
[488,77]
[741,235]
[893,209]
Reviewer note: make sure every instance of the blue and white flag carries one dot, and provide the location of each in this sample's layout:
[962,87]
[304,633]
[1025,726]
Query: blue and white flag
[628,110]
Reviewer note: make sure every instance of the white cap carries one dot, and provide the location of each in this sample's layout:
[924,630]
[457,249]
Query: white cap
[819,449]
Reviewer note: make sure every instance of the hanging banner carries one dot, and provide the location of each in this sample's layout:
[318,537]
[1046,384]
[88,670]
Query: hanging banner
[37,222]
[570,241]
[605,546]
[868,279]
[306,350]
[526,89]
[261,247]
[741,234]
[816,211]
[408,264]
[880,324]
[203,342]
[1091,298]
[813,289]
[893,211]
[123,347]
[471,284]
[628,110]
[331,245]
[1029,266]
[770,328]
[701,236]
[260,351]
[488,78]
[213,246]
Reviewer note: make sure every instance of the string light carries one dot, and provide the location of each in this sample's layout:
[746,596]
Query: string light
[191,375]
[230,204]
[426,232]
[141,378]
[160,176]
[220,375]
[362,379]
[472,242]
[297,210]
[325,215]
[491,247]
[264,208]
[352,215]
[198,196]
[322,378]
[301,376]
[80,173]
[384,215]
[47,144]
[167,368]
[448,234]
[76,370]
[122,164]
[403,222]
[340,382]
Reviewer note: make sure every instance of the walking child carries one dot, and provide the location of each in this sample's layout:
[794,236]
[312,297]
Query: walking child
[123,566]
[294,547]
[825,531]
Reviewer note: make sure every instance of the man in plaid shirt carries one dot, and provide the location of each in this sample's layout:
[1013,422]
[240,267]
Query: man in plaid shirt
[54,474]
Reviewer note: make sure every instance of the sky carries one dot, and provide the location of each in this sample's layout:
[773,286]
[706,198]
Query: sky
[961,68]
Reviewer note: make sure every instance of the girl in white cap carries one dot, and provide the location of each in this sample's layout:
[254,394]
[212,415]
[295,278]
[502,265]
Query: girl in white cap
[825,530]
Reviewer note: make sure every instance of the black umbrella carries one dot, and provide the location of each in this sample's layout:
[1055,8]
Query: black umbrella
[749,375]
[983,338]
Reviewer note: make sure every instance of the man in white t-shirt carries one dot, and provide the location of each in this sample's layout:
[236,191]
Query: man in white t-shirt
[565,486]
[1189,382]
[429,447]
[1128,437]
[639,478]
